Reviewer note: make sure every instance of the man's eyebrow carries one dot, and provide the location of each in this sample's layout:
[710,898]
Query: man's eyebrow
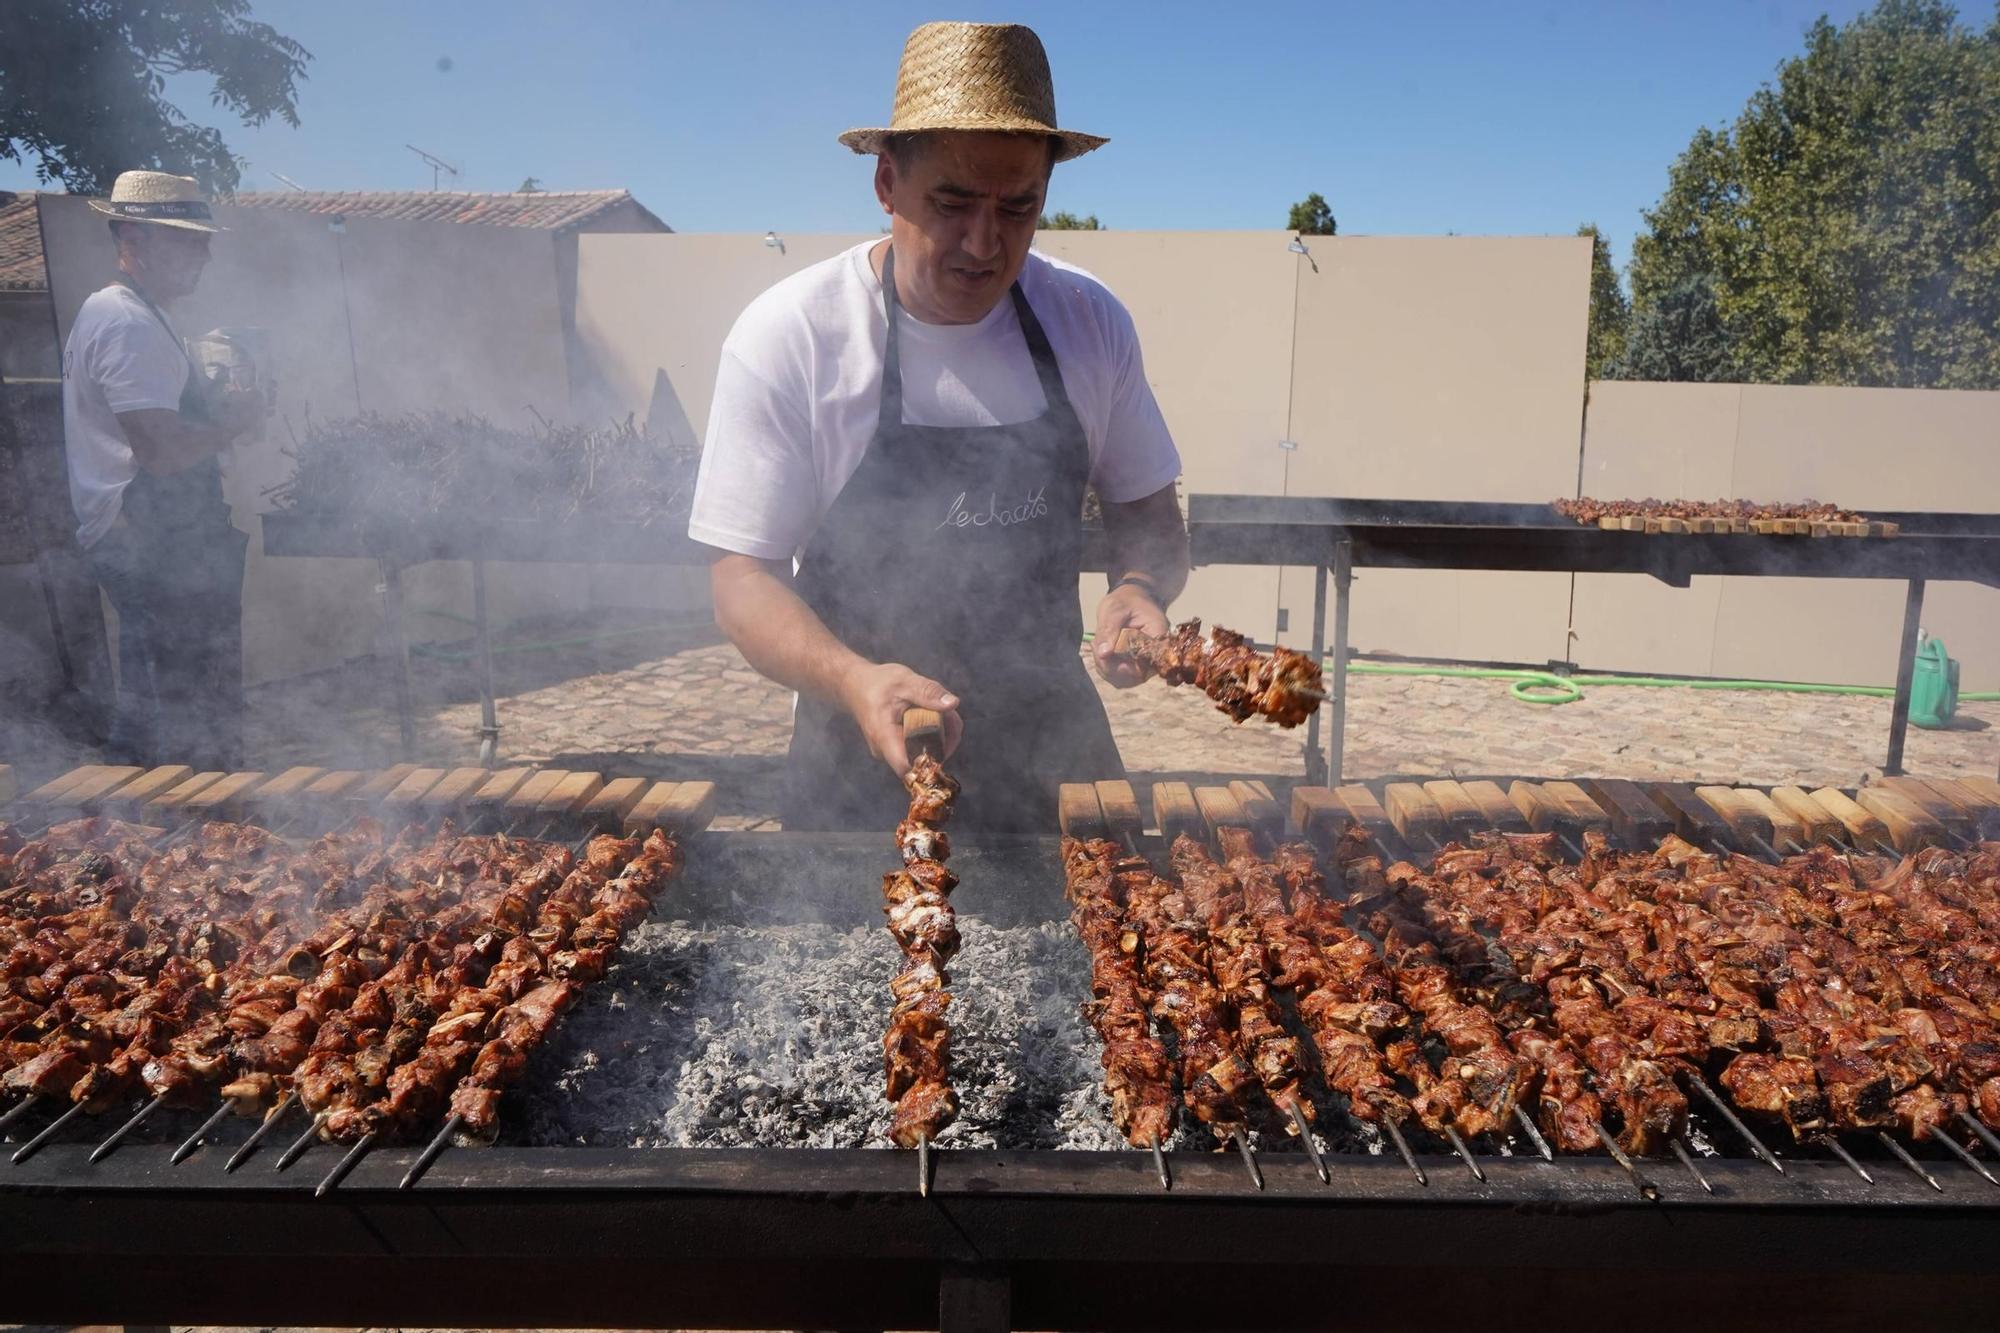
[946,188]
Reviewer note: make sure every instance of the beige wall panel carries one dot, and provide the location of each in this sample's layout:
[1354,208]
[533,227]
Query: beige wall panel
[1444,368]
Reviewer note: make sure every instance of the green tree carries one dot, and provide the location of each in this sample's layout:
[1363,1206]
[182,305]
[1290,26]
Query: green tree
[1847,226]
[1609,310]
[83,86]
[1677,336]
[1069,222]
[1312,216]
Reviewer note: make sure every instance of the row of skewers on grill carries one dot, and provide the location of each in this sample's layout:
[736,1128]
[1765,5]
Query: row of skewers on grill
[378,984]
[1799,519]
[1506,990]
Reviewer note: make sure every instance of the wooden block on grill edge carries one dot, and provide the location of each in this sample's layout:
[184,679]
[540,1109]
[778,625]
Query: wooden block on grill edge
[1219,809]
[169,802]
[1674,526]
[1953,820]
[1654,525]
[1120,805]
[687,809]
[288,787]
[1319,817]
[1986,789]
[1694,819]
[1587,812]
[372,789]
[1984,814]
[499,785]
[640,819]
[1885,529]
[224,799]
[1820,826]
[607,809]
[454,789]
[1495,804]
[1078,811]
[92,792]
[1736,812]
[47,793]
[331,786]
[1910,828]
[1365,810]
[1639,822]
[1632,523]
[1266,815]
[405,795]
[1863,828]
[1175,811]
[1543,811]
[527,797]
[1609,523]
[568,796]
[1415,815]
[1461,813]
[1788,832]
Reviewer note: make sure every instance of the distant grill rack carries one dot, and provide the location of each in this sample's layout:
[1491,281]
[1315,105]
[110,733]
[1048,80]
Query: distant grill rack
[808,1237]
[1336,536]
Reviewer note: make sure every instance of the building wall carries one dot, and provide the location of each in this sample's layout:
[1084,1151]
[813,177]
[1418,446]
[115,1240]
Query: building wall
[1886,448]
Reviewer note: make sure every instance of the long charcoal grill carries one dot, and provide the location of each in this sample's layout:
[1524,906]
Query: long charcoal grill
[794,1237]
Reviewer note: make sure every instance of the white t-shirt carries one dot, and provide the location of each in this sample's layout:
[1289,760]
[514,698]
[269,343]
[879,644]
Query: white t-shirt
[799,391]
[119,358]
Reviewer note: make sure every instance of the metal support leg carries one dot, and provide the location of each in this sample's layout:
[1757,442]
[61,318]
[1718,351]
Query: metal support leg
[1906,674]
[975,1300]
[399,652]
[489,724]
[1315,764]
[1343,585]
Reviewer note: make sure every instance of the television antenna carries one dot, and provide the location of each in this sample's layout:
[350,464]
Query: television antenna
[436,164]
[289,181]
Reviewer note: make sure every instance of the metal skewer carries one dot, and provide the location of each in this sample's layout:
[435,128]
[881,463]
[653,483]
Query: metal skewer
[1964,1154]
[28,1149]
[1904,1157]
[1403,1147]
[432,1151]
[1312,1149]
[1460,1147]
[26,1105]
[345,1164]
[271,1120]
[1832,1145]
[924,1167]
[195,1139]
[1714,1099]
[1646,1188]
[1527,1124]
[103,1150]
[1249,1158]
[1160,1165]
[1687,1160]
[301,1143]
[1986,1135]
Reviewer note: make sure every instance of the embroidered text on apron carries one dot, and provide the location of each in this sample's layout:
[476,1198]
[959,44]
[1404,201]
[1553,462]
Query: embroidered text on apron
[955,550]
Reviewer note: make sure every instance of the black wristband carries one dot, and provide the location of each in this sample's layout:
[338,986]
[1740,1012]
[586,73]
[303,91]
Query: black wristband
[1144,585]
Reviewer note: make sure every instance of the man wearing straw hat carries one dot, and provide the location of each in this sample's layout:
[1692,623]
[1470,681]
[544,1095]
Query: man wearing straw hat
[897,458]
[144,432]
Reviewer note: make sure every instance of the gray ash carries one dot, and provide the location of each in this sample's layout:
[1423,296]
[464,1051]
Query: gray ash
[717,1036]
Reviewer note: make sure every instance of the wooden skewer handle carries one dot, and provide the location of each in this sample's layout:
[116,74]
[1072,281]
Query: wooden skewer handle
[923,729]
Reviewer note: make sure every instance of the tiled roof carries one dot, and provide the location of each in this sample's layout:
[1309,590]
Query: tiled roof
[21,268]
[548,210]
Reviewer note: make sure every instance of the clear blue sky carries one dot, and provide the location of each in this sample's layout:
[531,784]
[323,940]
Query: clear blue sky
[1424,117]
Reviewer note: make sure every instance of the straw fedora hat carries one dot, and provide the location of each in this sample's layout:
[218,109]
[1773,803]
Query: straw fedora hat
[974,76]
[157,197]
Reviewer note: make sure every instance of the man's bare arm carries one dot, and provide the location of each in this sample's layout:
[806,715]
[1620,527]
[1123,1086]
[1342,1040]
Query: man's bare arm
[164,442]
[1148,541]
[783,639]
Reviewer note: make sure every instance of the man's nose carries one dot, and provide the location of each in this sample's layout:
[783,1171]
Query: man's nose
[982,235]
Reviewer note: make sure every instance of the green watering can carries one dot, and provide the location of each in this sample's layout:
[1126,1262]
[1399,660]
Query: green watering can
[1934,688]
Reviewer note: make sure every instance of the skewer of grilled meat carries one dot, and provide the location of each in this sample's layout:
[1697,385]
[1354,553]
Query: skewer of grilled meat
[1284,686]
[526,1023]
[916,1048]
[1237,956]
[1217,1084]
[1138,1076]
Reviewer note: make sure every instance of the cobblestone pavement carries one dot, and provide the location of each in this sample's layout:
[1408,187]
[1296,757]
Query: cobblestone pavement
[694,709]
[681,705]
